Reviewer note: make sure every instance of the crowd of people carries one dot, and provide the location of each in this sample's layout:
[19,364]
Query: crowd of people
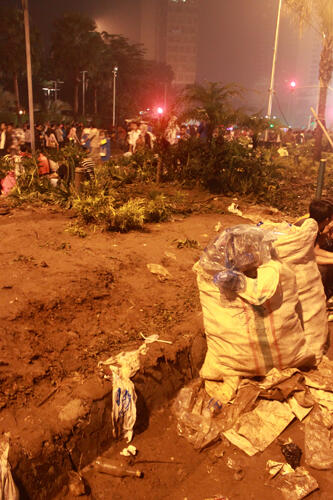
[15,142]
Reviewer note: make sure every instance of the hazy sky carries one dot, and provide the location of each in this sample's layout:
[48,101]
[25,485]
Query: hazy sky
[236,37]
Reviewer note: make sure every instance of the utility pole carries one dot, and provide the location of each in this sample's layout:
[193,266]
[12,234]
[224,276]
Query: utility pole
[271,87]
[84,92]
[25,7]
[115,73]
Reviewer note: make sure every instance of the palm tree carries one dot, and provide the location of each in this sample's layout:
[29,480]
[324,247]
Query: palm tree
[211,102]
[318,14]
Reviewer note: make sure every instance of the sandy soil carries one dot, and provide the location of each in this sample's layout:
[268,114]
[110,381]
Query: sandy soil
[67,302]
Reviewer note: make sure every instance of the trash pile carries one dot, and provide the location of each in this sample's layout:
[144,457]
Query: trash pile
[265,320]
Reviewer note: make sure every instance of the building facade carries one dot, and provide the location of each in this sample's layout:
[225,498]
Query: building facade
[170,33]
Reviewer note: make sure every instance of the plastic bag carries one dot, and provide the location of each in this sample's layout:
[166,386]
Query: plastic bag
[123,367]
[194,411]
[233,252]
[8,490]
[318,441]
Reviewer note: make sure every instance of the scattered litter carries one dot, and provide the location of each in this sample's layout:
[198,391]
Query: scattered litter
[217,497]
[234,209]
[120,369]
[170,255]
[159,270]
[322,376]
[112,468]
[323,398]
[8,490]
[129,451]
[318,440]
[218,227]
[192,408]
[233,465]
[292,453]
[76,484]
[298,410]
[154,338]
[293,484]
[256,430]
[187,243]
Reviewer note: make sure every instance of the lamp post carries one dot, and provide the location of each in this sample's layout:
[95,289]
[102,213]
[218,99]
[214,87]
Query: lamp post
[115,73]
[29,72]
[84,72]
[271,87]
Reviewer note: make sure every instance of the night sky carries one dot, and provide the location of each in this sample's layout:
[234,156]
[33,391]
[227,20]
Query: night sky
[235,45]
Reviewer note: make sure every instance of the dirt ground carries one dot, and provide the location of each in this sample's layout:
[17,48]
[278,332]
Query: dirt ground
[68,302]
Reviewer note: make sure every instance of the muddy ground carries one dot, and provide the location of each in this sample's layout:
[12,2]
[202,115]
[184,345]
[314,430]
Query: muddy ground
[68,302]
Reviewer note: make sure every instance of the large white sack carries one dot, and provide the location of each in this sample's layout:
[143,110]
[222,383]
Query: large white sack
[296,248]
[251,332]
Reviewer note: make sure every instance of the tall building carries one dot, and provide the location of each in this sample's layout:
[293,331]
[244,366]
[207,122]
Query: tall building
[181,48]
[169,32]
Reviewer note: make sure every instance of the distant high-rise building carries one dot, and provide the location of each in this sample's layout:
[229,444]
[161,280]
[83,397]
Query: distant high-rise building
[169,32]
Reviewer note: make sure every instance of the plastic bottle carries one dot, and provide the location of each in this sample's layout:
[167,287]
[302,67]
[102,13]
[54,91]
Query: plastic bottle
[113,468]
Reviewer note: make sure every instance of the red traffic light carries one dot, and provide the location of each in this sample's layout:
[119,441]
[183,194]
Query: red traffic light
[293,84]
[160,111]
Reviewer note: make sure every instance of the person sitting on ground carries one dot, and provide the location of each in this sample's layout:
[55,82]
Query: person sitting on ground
[322,212]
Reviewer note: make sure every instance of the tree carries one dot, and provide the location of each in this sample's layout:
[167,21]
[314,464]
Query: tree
[318,14]
[211,102]
[75,45]
[12,48]
[7,101]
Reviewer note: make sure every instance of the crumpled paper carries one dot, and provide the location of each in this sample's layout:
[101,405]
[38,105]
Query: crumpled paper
[318,440]
[256,430]
[293,484]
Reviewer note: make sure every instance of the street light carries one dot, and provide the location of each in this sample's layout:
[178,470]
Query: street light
[84,72]
[25,7]
[115,74]
[276,43]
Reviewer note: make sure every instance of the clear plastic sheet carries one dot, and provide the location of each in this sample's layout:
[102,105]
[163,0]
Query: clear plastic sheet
[235,251]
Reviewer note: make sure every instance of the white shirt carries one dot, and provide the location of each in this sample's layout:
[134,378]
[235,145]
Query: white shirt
[132,137]
[94,138]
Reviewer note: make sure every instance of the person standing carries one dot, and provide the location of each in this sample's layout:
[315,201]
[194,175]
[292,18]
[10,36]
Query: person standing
[72,136]
[133,136]
[27,136]
[59,135]
[94,140]
[105,150]
[9,137]
[51,141]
